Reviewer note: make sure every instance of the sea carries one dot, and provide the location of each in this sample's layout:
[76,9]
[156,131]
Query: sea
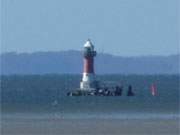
[162,107]
[96,107]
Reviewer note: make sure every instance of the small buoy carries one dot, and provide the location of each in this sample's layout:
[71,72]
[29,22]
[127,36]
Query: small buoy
[153,90]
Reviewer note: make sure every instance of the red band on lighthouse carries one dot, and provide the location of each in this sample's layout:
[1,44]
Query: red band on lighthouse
[89,65]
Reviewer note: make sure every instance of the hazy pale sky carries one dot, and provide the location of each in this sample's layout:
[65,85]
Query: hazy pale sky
[121,27]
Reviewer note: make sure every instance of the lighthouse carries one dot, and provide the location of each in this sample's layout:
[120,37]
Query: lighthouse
[88,82]
[89,86]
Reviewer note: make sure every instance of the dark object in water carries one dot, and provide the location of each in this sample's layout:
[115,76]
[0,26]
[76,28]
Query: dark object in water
[118,91]
[130,92]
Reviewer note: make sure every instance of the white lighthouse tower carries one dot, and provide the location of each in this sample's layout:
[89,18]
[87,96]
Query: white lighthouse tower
[88,82]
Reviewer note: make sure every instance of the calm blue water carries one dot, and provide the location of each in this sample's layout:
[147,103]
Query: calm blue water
[96,107]
[119,115]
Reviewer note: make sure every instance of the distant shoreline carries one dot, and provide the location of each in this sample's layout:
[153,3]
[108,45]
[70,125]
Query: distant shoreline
[71,62]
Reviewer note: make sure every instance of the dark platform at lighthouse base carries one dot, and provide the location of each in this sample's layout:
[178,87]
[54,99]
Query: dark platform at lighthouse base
[100,92]
[81,93]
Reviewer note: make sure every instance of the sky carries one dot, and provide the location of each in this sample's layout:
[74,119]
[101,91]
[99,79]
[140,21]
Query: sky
[119,27]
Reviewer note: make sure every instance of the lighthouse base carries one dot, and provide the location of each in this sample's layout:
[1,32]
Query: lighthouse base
[101,91]
[88,82]
[80,92]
